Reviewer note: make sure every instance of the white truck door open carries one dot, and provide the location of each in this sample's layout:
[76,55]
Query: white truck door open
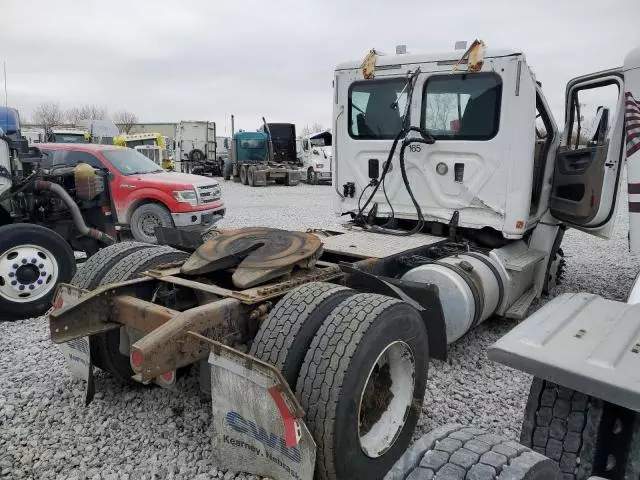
[588,165]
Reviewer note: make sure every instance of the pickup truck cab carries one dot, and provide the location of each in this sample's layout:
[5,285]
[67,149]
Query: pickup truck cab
[144,196]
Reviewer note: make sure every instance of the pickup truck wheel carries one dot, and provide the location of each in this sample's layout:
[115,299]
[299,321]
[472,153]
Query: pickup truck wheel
[93,270]
[284,337]
[33,261]
[583,434]
[362,384]
[105,347]
[458,452]
[243,175]
[146,218]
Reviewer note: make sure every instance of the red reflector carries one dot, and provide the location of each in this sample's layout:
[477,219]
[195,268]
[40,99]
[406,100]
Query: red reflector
[58,303]
[593,199]
[168,376]
[136,358]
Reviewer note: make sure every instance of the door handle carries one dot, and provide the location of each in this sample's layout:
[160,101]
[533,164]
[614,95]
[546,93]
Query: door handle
[127,185]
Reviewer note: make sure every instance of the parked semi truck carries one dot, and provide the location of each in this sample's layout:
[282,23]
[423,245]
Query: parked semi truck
[315,345]
[195,148]
[314,155]
[253,162]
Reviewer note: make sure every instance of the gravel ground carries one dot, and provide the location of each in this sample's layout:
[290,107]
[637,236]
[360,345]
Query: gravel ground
[131,432]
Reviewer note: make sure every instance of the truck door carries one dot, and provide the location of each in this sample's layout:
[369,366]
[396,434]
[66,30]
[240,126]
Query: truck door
[589,160]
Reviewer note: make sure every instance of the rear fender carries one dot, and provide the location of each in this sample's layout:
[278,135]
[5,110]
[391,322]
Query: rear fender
[422,297]
[580,341]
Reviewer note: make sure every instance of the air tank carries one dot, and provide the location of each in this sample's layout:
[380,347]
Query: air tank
[470,289]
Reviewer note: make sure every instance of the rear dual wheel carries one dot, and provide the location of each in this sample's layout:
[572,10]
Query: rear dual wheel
[243,176]
[583,435]
[358,365]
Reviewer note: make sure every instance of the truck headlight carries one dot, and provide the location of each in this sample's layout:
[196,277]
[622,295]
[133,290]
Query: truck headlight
[186,196]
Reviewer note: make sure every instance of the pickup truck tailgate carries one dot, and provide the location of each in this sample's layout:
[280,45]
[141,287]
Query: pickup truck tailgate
[580,341]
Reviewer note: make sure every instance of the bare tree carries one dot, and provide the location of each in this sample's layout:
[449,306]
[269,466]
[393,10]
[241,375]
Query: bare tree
[313,128]
[125,120]
[85,112]
[48,114]
[441,110]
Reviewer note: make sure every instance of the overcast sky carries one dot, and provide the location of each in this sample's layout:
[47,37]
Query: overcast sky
[171,60]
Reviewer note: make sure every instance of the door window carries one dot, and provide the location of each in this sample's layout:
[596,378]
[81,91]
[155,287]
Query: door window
[590,115]
[462,107]
[377,108]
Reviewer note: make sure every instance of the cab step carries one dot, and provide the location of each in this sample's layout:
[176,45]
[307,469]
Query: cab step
[519,309]
[525,260]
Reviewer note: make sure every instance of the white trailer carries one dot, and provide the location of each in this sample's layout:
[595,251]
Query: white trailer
[459,186]
[314,153]
[195,145]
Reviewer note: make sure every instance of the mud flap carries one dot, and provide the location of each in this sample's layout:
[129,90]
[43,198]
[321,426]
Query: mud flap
[77,354]
[257,424]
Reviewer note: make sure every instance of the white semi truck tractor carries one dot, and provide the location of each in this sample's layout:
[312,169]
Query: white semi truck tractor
[315,345]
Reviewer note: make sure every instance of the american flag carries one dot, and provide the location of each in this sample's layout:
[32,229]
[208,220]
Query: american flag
[632,124]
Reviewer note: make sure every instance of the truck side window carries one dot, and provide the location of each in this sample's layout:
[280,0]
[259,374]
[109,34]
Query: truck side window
[376,108]
[591,112]
[69,158]
[462,107]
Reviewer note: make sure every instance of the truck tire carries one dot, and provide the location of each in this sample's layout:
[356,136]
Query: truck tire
[196,155]
[250,176]
[574,430]
[458,452]
[366,368]
[243,175]
[33,261]
[284,337]
[632,469]
[312,177]
[146,218]
[105,347]
[92,271]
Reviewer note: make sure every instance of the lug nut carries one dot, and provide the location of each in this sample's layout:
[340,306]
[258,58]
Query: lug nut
[24,260]
[43,274]
[11,274]
[32,286]
[15,265]
[21,287]
[41,265]
[33,260]
[39,282]
[14,282]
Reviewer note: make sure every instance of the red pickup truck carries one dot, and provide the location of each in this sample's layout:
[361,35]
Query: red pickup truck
[144,196]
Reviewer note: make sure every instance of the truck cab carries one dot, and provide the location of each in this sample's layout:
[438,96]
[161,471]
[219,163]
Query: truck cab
[314,154]
[496,156]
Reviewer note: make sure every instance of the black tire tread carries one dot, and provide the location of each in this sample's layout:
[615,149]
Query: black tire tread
[128,268]
[131,266]
[472,453]
[562,424]
[88,276]
[324,369]
[278,334]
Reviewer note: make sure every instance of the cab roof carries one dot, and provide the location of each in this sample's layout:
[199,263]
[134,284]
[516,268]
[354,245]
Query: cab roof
[416,58]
